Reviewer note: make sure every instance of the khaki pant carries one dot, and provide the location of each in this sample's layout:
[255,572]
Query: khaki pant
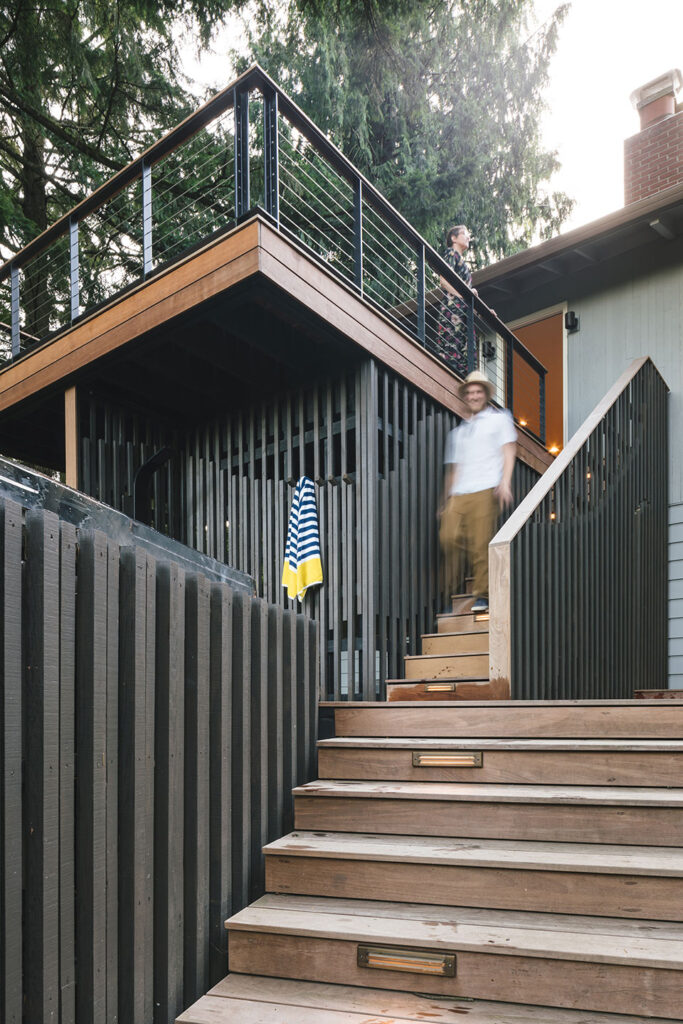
[468,524]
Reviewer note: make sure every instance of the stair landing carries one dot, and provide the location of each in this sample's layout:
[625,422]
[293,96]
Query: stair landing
[249,999]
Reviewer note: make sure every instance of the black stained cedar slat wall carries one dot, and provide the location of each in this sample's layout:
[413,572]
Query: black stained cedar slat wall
[164,718]
[589,566]
[373,446]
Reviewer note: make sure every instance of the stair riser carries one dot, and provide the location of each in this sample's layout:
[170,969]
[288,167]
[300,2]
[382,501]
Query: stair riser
[635,990]
[508,766]
[462,604]
[653,826]
[419,691]
[461,624]
[599,722]
[464,643]
[561,892]
[447,667]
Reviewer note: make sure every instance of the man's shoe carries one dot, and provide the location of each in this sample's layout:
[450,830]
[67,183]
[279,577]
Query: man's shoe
[480,605]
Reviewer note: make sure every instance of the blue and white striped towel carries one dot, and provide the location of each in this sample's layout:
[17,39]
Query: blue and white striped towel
[302,568]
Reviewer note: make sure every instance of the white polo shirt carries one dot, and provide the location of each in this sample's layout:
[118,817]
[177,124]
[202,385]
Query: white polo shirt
[476,445]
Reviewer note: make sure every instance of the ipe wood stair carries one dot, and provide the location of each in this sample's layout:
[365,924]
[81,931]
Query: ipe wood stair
[454,663]
[548,867]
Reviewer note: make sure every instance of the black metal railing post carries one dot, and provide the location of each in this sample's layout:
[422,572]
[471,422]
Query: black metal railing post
[74,280]
[271,184]
[471,340]
[147,261]
[16,326]
[358,233]
[241,106]
[509,376]
[421,295]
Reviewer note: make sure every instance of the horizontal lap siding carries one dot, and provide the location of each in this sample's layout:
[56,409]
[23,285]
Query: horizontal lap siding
[164,719]
[676,596]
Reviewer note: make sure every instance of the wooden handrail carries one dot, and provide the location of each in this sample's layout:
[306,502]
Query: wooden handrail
[499,548]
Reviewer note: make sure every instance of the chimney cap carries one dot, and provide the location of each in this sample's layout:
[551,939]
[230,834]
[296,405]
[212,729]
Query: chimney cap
[667,84]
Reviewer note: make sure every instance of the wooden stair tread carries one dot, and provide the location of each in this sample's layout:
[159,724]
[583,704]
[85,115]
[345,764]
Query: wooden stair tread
[579,746]
[269,1000]
[444,636]
[651,944]
[560,720]
[441,679]
[513,705]
[483,792]
[492,853]
[427,657]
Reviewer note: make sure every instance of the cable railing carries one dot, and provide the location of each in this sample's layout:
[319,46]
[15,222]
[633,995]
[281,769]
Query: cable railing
[252,150]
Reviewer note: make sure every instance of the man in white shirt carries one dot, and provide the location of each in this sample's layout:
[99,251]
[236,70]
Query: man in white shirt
[479,459]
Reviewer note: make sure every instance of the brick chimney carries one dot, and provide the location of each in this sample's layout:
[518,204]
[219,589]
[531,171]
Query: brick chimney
[653,159]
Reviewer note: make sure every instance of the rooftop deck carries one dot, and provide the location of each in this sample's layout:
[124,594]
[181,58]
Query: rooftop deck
[239,253]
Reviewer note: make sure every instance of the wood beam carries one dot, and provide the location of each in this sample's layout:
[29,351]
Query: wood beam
[71,437]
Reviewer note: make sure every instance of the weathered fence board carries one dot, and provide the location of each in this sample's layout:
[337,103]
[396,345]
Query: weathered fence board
[11,827]
[153,722]
[41,782]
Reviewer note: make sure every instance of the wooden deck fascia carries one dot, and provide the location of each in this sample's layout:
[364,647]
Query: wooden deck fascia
[253,247]
[151,304]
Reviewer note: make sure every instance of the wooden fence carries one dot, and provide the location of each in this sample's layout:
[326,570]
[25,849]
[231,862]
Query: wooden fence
[152,724]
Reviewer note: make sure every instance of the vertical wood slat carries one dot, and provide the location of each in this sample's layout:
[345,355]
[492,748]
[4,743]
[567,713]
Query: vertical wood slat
[241,749]
[196,818]
[41,717]
[136,786]
[11,776]
[169,794]
[91,777]
[260,754]
[276,792]
[220,778]
[112,780]
[67,774]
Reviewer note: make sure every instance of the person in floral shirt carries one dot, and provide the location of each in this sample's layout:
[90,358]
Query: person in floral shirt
[452,325]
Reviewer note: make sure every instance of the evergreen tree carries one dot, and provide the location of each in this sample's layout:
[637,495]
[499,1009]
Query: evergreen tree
[437,103]
[85,85]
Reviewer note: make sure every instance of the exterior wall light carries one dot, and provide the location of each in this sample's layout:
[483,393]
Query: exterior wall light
[571,322]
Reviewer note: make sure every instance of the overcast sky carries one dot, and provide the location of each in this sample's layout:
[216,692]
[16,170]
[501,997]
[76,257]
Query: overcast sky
[606,49]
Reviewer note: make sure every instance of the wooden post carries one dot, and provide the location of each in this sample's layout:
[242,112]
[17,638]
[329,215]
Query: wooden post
[499,612]
[71,437]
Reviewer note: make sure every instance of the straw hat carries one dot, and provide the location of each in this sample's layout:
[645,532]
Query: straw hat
[476,377]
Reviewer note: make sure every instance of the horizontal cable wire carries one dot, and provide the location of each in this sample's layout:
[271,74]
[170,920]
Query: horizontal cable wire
[317,232]
[289,175]
[320,166]
[285,184]
[314,236]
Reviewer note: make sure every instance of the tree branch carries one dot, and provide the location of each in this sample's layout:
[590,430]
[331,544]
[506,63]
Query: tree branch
[18,106]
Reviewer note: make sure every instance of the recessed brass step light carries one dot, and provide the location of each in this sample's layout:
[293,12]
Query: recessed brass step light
[439,687]
[416,961]
[448,759]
